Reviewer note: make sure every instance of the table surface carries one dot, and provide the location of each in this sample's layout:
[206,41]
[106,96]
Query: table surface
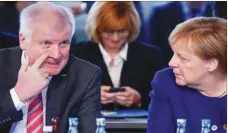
[126,123]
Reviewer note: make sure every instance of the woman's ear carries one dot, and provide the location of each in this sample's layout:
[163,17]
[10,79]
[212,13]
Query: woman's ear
[212,64]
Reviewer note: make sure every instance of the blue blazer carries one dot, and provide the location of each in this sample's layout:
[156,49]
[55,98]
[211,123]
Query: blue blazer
[170,102]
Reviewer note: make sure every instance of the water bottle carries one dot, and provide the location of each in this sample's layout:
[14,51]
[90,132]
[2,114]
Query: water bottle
[73,125]
[205,125]
[101,122]
[181,125]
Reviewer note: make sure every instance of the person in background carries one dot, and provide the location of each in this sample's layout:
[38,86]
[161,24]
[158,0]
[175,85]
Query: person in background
[195,85]
[160,26]
[40,80]
[219,9]
[9,15]
[112,28]
[8,40]
[86,6]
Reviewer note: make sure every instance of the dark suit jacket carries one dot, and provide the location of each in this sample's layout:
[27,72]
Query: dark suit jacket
[8,40]
[170,102]
[137,72]
[77,94]
[161,23]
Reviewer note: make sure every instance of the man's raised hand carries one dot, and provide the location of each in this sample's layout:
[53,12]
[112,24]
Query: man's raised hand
[31,79]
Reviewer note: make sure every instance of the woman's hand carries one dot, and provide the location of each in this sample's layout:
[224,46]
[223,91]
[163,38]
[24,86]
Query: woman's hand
[106,96]
[128,98]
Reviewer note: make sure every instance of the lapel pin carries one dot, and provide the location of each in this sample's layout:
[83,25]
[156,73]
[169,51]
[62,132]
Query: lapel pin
[55,124]
[214,127]
[63,75]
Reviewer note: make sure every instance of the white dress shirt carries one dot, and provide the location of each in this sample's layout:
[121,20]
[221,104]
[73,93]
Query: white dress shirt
[115,70]
[20,126]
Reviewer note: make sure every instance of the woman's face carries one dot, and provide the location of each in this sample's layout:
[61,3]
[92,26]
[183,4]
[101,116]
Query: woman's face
[189,69]
[114,39]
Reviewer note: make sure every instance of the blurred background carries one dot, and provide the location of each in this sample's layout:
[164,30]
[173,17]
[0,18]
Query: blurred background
[158,19]
[81,19]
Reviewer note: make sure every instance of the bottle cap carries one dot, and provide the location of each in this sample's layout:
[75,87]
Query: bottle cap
[101,121]
[73,121]
[181,122]
[206,123]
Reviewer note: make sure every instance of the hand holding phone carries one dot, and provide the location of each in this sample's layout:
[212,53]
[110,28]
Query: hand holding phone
[128,98]
[113,90]
[106,96]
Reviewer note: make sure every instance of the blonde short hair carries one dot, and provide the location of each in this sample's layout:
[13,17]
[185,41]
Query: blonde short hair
[111,15]
[208,36]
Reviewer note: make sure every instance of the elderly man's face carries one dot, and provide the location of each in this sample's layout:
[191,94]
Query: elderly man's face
[189,69]
[48,35]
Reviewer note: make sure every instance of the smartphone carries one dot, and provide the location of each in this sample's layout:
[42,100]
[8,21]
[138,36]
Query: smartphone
[113,89]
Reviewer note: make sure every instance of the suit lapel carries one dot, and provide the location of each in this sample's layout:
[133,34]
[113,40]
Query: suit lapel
[98,60]
[125,72]
[55,95]
[15,64]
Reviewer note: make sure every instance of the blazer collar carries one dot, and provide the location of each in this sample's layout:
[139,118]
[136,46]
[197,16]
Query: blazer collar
[98,59]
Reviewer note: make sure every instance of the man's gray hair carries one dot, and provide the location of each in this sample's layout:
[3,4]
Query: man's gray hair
[29,13]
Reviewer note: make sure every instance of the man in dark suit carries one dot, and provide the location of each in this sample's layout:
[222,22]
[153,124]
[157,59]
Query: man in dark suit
[40,80]
[164,18]
[8,40]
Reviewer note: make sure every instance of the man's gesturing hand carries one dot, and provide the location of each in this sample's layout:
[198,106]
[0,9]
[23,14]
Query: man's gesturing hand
[31,80]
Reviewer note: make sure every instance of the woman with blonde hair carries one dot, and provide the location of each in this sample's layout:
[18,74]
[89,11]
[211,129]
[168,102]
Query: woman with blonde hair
[193,91]
[126,64]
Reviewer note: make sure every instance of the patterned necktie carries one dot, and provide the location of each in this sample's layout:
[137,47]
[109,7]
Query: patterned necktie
[35,115]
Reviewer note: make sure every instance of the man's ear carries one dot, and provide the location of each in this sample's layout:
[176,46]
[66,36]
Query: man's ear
[22,41]
[212,65]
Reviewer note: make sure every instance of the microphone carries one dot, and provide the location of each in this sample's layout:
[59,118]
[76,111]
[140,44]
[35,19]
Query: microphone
[55,124]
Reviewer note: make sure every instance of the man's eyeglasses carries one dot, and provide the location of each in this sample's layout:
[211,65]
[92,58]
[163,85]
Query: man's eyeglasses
[119,33]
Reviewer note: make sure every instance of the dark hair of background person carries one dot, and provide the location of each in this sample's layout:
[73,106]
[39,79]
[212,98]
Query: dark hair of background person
[8,40]
[9,2]
[219,9]
[9,15]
